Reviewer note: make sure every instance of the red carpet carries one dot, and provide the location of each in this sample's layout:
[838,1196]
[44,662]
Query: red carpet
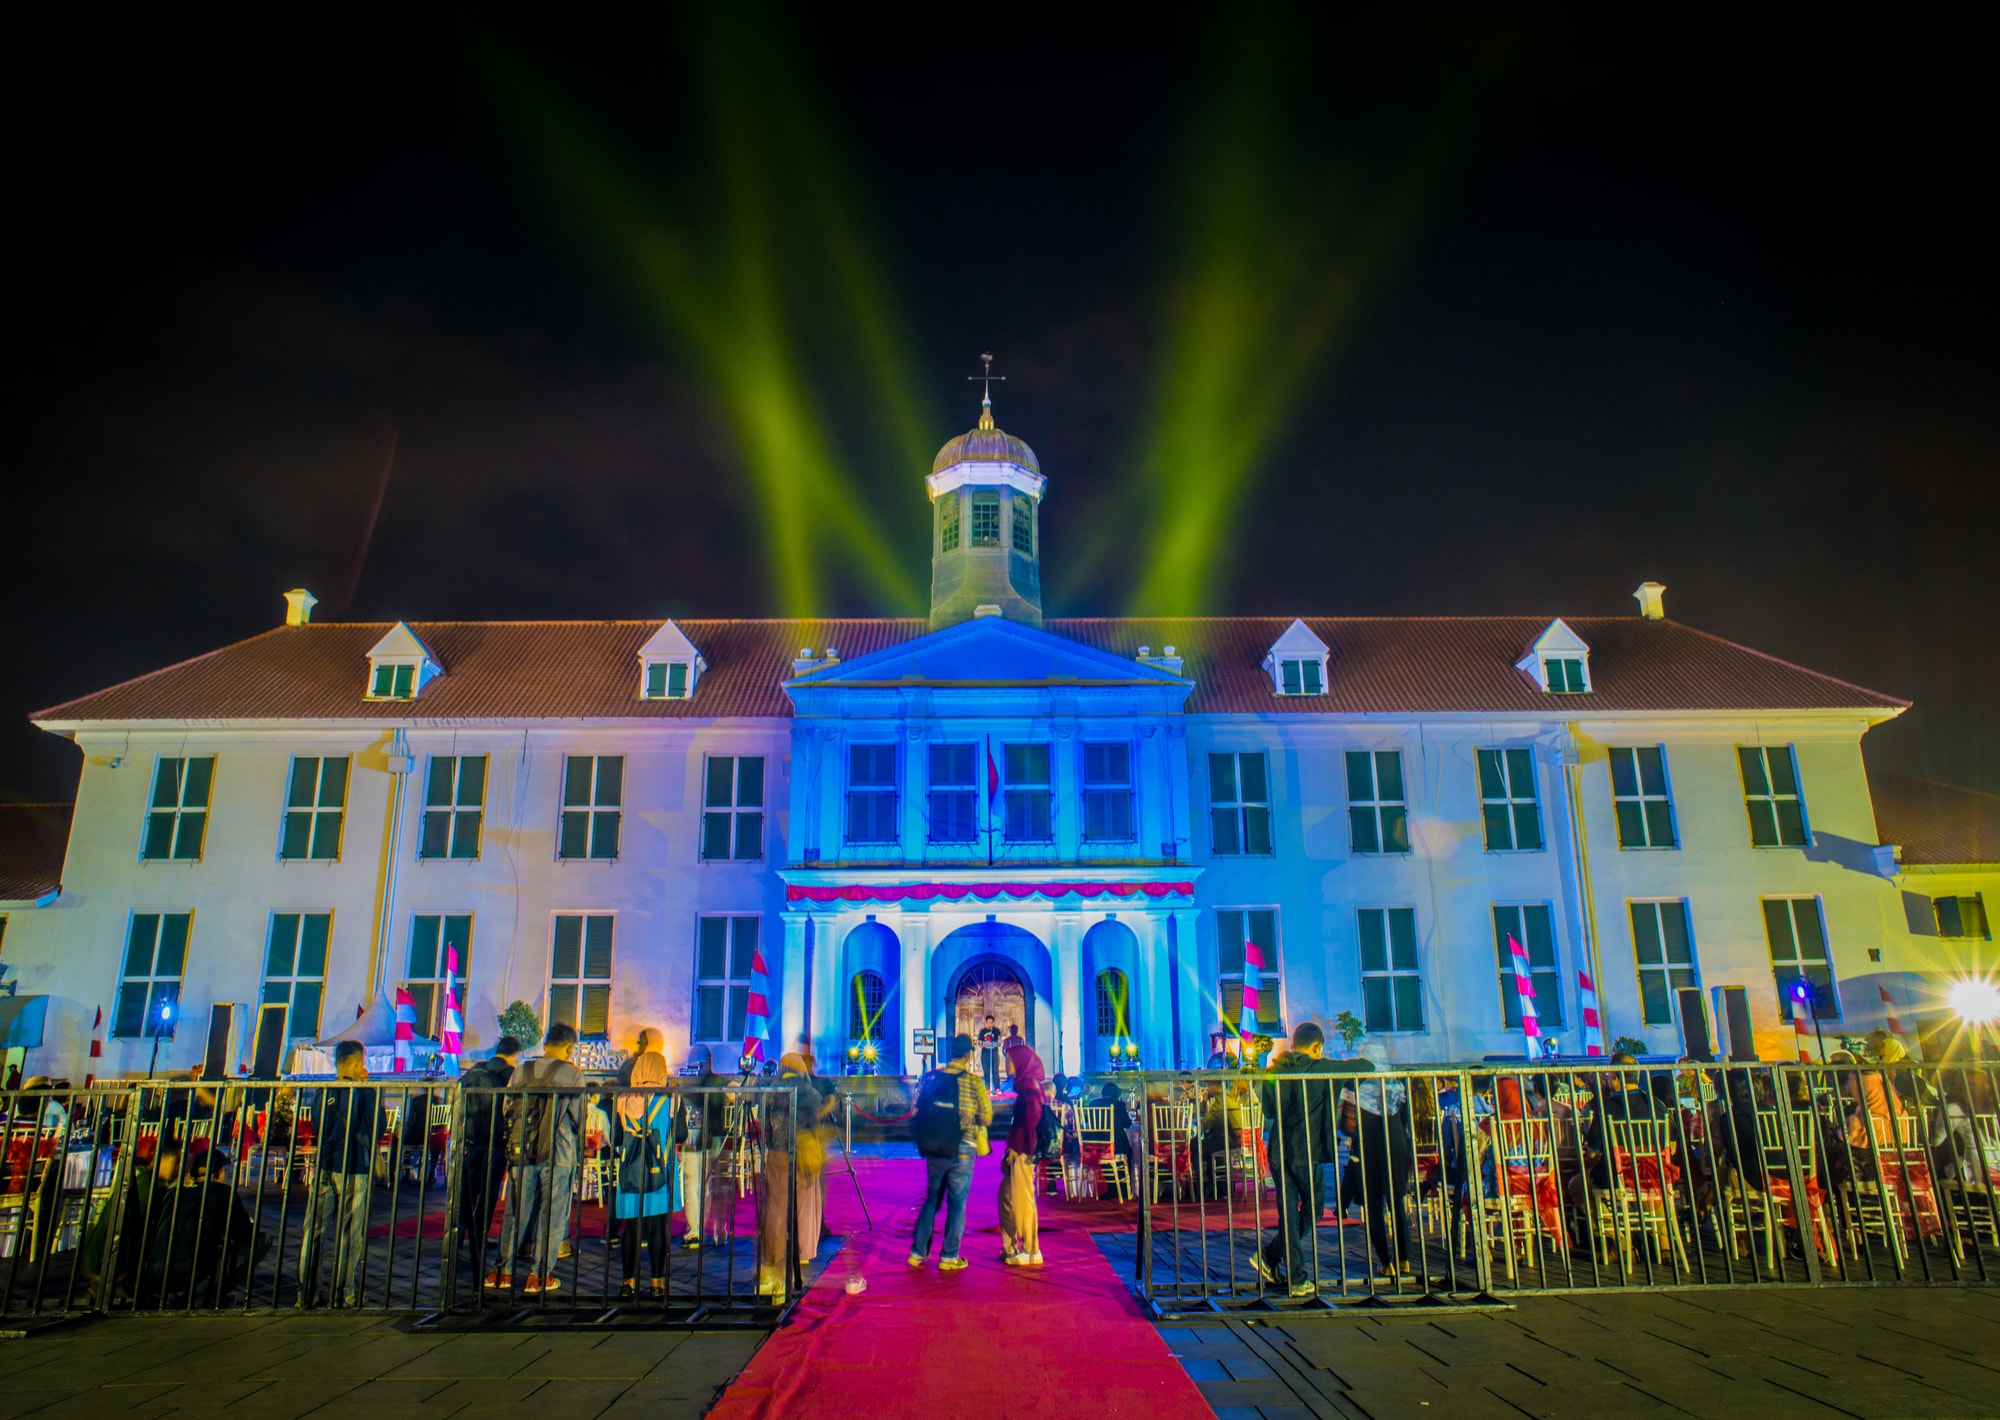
[1062,1340]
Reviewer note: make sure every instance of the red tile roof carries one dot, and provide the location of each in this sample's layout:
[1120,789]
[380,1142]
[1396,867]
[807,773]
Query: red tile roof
[1935,823]
[33,839]
[568,669]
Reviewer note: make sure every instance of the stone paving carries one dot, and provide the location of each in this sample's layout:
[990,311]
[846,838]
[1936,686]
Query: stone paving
[1771,1354]
[335,1366]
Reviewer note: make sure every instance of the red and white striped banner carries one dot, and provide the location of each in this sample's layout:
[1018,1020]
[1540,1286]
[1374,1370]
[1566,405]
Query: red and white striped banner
[96,1046]
[1253,985]
[406,1029]
[1593,1024]
[1799,1030]
[1524,982]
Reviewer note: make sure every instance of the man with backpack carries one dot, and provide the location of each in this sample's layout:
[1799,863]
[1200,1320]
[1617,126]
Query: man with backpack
[544,1132]
[953,1112]
[482,1153]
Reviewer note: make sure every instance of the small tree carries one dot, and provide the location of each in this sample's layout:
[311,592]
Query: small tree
[1628,1045]
[518,1020]
[1349,1028]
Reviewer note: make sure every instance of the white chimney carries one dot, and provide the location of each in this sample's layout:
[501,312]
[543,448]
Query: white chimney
[299,604]
[1649,596]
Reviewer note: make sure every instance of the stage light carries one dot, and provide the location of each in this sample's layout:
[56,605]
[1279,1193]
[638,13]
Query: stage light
[1975,1001]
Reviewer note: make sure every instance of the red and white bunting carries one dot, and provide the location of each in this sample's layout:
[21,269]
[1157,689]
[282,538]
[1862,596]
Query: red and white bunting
[1593,1024]
[1524,982]
[1799,1032]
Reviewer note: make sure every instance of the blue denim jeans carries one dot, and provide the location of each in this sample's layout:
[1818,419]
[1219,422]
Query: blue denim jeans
[538,1203]
[948,1181]
[336,1231]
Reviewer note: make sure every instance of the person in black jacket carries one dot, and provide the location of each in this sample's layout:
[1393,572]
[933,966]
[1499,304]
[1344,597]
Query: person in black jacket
[1302,1121]
[482,1153]
[350,1122]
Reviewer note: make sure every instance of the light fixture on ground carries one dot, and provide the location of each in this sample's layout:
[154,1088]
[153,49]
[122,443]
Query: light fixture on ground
[1976,1003]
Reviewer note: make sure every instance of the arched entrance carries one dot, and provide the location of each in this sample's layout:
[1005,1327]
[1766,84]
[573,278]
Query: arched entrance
[990,988]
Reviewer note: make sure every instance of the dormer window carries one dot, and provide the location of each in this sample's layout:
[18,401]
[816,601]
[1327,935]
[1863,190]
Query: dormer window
[1301,676]
[669,665]
[1565,675]
[1559,661]
[400,666]
[1297,662]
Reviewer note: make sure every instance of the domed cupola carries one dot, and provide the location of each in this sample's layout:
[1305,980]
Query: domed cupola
[986,537]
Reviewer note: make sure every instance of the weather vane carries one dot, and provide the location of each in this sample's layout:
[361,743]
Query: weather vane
[987,379]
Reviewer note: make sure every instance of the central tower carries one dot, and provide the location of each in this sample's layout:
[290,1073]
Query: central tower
[986,534]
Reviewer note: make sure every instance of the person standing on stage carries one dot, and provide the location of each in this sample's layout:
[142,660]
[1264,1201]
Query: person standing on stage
[989,1053]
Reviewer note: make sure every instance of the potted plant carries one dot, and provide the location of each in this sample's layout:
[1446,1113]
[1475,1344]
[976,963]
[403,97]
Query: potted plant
[518,1020]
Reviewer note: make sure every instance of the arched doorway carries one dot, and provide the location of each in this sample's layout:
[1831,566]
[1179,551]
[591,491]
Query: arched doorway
[990,988]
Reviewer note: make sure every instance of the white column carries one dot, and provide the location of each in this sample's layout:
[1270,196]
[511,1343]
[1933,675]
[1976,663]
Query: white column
[1067,948]
[1154,1018]
[792,988]
[914,987]
[1198,1014]
[828,987]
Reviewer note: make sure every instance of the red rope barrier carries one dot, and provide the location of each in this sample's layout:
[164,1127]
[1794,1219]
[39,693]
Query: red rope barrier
[875,1119]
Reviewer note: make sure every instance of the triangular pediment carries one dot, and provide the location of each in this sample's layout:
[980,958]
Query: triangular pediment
[1298,640]
[1556,640]
[987,651]
[667,644]
[402,644]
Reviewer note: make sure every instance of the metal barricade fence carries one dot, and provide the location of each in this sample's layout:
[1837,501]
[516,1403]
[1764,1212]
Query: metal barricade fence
[1469,1182]
[411,1196]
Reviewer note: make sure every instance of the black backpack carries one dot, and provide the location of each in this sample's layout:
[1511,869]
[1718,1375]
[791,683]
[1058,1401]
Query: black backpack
[1048,1133]
[935,1129]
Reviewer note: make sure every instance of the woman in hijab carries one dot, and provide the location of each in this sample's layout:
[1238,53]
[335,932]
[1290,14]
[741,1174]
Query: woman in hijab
[1020,1222]
[645,1131]
[790,1140]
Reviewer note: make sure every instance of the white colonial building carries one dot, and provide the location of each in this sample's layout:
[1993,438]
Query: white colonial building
[1071,824]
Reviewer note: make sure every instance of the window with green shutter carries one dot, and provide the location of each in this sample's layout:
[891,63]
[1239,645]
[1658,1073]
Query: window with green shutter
[580,972]
[1239,804]
[314,806]
[1796,933]
[1533,926]
[177,817]
[1771,795]
[1639,795]
[1508,802]
[295,969]
[593,794]
[434,937]
[1663,947]
[454,804]
[732,820]
[1378,814]
[149,983]
[1392,984]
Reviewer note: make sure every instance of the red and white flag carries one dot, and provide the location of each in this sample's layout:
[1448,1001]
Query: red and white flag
[1253,984]
[1799,1031]
[1889,1021]
[1593,1024]
[1524,983]
[406,1029]
[96,1046]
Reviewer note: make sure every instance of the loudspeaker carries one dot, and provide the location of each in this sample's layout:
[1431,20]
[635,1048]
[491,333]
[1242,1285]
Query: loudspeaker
[1736,1011]
[221,1030]
[268,1053]
[1694,1024]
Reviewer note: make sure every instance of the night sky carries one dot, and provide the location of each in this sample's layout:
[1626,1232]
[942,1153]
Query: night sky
[1489,317]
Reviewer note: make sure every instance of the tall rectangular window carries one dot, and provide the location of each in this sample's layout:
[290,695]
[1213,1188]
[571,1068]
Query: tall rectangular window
[313,809]
[1378,815]
[178,814]
[454,798]
[1664,948]
[954,794]
[580,972]
[1239,804]
[431,935]
[948,522]
[295,969]
[1639,794]
[149,984]
[1961,917]
[1235,926]
[1024,526]
[1107,793]
[985,520]
[1025,773]
[871,794]
[593,793]
[1392,985]
[732,821]
[724,949]
[1771,794]
[1797,935]
[1532,925]
[1509,804]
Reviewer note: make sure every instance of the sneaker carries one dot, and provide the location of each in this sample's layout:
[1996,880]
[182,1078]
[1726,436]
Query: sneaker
[952,1264]
[565,1251]
[541,1284]
[1035,1258]
[1303,1289]
[1015,1259]
[1263,1266]
[499,1279]
[916,1259]
[692,1242]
